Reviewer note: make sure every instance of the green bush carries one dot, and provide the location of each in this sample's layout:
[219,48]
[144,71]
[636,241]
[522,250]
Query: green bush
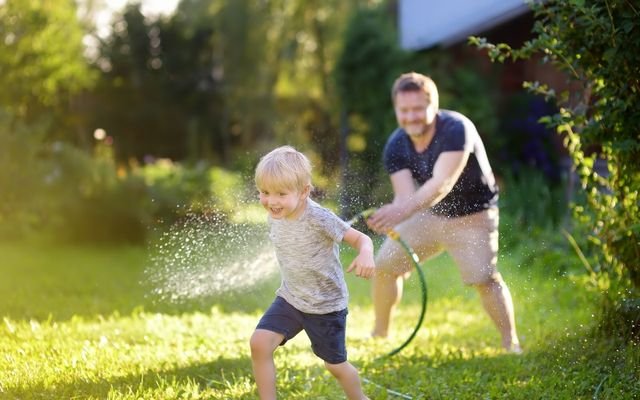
[532,201]
[176,190]
[91,201]
[173,188]
[22,175]
[369,62]
[227,189]
[68,194]
[533,214]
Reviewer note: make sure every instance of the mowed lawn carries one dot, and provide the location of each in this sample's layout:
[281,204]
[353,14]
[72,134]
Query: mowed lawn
[86,323]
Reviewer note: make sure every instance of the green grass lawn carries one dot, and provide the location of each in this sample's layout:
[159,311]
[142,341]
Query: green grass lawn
[83,323]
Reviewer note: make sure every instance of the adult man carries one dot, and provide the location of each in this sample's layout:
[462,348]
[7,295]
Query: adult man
[445,198]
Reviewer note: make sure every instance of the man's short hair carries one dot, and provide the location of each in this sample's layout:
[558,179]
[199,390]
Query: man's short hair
[415,82]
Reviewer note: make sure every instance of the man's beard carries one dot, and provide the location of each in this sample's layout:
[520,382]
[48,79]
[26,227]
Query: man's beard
[415,132]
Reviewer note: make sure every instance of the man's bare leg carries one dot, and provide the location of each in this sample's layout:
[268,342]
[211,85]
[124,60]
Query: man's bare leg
[386,292]
[498,303]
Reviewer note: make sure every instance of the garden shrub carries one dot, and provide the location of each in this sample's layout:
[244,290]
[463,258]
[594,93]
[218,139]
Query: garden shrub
[71,195]
[91,201]
[533,201]
[22,175]
[173,188]
[177,189]
[368,64]
[227,189]
[523,143]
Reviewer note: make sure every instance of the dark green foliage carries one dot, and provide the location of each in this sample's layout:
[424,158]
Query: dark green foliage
[366,68]
[532,202]
[157,94]
[89,202]
[369,41]
[41,56]
[597,43]
[522,143]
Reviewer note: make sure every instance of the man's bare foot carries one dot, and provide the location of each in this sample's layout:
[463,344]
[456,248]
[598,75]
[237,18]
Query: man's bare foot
[514,348]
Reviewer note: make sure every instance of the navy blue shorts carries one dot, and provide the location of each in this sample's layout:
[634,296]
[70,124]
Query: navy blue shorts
[325,331]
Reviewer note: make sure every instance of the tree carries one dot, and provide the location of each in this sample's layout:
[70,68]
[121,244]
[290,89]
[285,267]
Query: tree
[42,68]
[369,62]
[217,78]
[41,56]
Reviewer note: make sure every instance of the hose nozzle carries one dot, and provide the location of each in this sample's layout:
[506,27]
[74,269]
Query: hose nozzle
[393,234]
[362,214]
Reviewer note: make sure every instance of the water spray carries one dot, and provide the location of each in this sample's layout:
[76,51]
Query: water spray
[202,257]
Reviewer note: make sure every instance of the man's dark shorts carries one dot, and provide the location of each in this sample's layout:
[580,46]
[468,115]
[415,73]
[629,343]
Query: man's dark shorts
[326,331]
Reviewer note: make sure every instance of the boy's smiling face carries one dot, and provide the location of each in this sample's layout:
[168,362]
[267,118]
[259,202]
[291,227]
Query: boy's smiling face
[284,203]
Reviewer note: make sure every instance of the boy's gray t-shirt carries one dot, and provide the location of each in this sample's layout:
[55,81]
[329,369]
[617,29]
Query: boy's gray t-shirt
[307,251]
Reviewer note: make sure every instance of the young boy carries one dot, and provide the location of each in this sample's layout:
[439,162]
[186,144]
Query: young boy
[313,293]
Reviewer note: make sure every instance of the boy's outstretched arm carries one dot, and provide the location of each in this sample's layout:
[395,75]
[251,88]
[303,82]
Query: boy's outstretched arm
[363,265]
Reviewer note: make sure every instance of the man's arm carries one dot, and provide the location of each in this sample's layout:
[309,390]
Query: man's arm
[407,200]
[403,185]
[446,172]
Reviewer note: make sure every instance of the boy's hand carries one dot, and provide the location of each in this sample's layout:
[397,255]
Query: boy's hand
[363,266]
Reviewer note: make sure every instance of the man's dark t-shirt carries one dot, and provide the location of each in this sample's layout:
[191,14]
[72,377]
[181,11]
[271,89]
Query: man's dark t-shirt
[474,191]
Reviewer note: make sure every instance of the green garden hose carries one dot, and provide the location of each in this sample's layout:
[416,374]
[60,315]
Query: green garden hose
[416,263]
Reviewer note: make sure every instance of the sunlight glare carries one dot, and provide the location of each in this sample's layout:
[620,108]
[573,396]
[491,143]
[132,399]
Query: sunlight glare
[150,8]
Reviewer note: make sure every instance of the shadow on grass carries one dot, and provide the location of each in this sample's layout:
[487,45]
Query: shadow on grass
[215,375]
[572,368]
[567,369]
[223,378]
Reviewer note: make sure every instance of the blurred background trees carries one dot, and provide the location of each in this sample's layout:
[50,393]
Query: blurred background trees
[119,129]
[214,84]
[42,70]
[216,78]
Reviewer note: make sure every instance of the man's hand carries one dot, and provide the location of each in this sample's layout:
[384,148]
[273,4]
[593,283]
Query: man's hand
[387,217]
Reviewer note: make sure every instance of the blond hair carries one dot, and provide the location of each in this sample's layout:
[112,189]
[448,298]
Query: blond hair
[413,81]
[284,168]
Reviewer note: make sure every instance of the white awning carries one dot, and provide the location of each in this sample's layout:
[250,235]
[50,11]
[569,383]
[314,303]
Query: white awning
[427,23]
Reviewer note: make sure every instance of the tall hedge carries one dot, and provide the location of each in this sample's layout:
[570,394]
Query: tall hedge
[366,67]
